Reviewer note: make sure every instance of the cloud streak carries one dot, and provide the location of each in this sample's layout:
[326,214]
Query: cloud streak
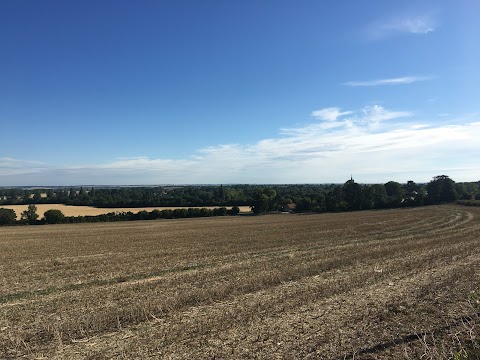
[411,24]
[329,114]
[11,166]
[374,143]
[390,81]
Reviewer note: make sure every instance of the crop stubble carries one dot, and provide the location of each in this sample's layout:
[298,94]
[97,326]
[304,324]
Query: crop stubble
[279,286]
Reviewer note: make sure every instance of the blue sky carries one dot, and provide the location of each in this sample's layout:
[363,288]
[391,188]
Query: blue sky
[216,91]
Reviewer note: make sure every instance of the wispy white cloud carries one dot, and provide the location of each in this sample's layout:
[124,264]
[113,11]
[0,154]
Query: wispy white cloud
[145,163]
[377,113]
[374,143]
[368,117]
[414,25]
[390,81]
[409,24]
[419,126]
[12,166]
[330,114]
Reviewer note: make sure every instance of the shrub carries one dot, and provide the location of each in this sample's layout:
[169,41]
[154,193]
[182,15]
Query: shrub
[7,216]
[53,216]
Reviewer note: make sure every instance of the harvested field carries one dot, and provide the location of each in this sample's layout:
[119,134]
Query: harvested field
[69,210]
[366,285]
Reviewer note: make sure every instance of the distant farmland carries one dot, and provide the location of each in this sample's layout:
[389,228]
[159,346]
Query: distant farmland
[69,210]
[366,285]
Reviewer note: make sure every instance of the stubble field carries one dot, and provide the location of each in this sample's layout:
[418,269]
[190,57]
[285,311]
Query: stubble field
[365,285]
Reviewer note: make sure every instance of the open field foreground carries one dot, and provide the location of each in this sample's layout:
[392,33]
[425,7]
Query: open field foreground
[69,210]
[365,285]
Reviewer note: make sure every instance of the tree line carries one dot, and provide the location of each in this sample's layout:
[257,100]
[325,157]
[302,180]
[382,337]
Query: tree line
[350,196]
[161,196]
[322,197]
[354,196]
[55,216]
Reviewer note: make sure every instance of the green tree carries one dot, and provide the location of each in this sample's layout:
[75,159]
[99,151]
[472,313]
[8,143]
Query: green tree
[411,188]
[221,211]
[304,205]
[441,189]
[235,210]
[7,216]
[395,193]
[72,193]
[379,196]
[221,193]
[143,215]
[53,216]
[264,200]
[319,202]
[411,191]
[30,215]
[352,194]
[334,200]
[472,190]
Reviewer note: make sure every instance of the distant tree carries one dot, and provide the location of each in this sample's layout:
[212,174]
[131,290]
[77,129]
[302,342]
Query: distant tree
[221,211]
[7,216]
[304,205]
[72,193]
[221,193]
[30,215]
[264,200]
[441,189]
[422,195]
[143,215]
[319,202]
[352,195]
[379,196]
[180,213]
[167,214]
[260,204]
[235,210]
[411,193]
[411,188]
[53,216]
[155,214]
[334,200]
[395,193]
[472,189]
[61,194]
[462,192]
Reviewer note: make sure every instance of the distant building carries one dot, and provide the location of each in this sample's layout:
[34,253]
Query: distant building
[289,208]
